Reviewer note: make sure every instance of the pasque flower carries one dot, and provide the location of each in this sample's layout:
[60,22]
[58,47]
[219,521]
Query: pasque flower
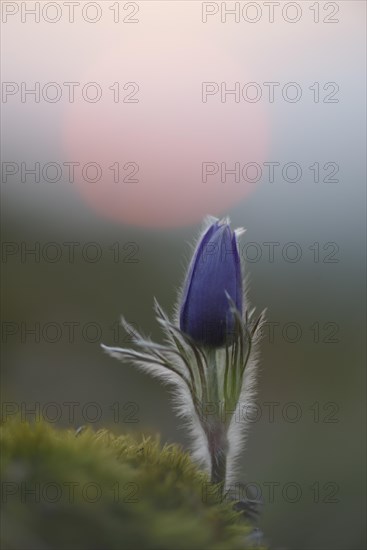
[207,356]
[213,275]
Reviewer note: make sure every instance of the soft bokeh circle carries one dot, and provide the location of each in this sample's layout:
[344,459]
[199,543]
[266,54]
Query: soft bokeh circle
[169,133]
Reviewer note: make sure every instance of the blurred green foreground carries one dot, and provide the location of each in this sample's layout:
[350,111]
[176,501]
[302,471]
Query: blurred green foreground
[95,490]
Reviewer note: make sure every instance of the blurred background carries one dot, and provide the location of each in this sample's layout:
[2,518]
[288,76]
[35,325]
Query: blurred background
[120,128]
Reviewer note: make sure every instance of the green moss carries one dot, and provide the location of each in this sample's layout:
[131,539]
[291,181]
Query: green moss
[101,491]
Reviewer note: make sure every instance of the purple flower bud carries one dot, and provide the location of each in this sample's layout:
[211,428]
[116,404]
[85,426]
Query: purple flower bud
[215,270]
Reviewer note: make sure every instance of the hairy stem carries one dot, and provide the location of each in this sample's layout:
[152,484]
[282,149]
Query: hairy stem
[215,428]
[218,448]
